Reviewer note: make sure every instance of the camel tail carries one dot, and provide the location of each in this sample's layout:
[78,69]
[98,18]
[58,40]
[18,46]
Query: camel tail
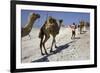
[41,33]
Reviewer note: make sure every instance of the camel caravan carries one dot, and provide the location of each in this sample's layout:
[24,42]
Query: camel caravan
[83,26]
[50,27]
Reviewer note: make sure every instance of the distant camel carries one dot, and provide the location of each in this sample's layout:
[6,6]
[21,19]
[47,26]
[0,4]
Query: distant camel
[27,29]
[81,26]
[50,27]
[87,25]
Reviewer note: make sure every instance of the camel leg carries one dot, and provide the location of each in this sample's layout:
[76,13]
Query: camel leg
[41,46]
[52,45]
[46,38]
[53,42]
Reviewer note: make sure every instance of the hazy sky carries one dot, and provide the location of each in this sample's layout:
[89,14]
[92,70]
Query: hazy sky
[67,17]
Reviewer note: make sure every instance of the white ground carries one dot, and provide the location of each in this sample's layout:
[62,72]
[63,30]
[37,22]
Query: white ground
[68,49]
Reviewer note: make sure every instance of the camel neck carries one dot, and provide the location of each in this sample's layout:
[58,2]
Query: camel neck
[31,22]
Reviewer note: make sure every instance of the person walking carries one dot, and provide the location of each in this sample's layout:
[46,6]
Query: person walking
[73,29]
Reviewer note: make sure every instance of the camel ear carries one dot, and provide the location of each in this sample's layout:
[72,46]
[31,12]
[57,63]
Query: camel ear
[60,21]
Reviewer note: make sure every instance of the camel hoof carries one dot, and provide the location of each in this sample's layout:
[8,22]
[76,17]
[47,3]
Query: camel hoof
[42,54]
[56,47]
[46,53]
[51,51]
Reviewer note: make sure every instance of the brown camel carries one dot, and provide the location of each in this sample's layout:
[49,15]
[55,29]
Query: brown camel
[50,27]
[87,25]
[81,26]
[27,29]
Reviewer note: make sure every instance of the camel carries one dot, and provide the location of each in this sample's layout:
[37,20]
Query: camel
[87,25]
[81,26]
[27,29]
[50,27]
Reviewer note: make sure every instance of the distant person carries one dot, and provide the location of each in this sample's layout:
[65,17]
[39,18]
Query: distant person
[73,28]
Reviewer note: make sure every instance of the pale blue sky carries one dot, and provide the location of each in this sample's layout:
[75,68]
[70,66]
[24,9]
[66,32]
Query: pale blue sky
[68,17]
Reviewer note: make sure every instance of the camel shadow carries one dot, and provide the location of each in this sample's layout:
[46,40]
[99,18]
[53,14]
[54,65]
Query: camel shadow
[83,32]
[62,47]
[43,59]
[58,50]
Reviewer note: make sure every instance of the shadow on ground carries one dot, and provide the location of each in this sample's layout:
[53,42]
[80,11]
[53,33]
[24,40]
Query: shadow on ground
[43,59]
[77,37]
[83,32]
[58,50]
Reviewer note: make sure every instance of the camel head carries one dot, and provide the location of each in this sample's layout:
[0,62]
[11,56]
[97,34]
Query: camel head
[34,16]
[60,21]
